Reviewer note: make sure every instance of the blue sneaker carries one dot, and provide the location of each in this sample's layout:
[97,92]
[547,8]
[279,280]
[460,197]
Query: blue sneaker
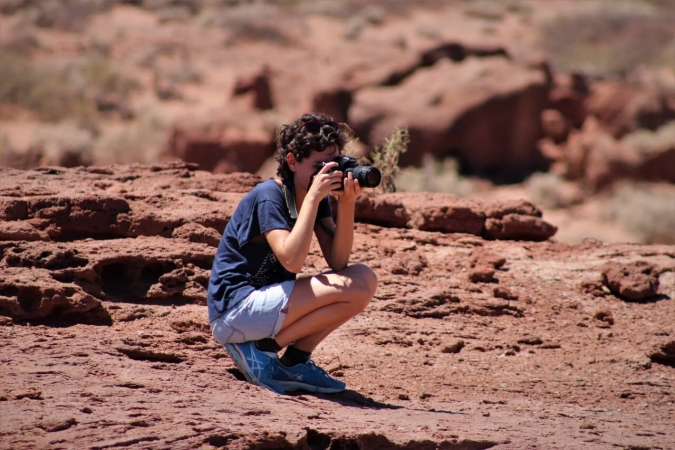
[257,366]
[308,377]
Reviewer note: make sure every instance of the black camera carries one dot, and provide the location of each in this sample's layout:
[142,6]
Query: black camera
[367,176]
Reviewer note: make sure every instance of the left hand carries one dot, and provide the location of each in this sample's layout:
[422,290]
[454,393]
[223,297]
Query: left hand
[352,189]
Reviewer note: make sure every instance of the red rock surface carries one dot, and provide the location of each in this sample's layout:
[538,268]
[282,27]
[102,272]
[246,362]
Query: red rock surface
[473,340]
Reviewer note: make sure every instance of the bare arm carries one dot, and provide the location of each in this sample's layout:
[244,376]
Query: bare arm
[338,248]
[292,247]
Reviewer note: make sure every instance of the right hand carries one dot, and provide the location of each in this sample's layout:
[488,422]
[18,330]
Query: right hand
[326,180]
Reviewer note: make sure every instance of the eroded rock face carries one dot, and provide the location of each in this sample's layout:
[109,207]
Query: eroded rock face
[492,127]
[27,294]
[148,233]
[220,147]
[97,327]
[623,108]
[67,278]
[513,220]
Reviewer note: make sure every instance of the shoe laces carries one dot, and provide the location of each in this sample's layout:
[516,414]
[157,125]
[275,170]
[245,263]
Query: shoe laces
[313,365]
[320,370]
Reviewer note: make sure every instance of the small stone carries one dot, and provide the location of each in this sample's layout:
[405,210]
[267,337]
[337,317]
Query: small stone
[454,347]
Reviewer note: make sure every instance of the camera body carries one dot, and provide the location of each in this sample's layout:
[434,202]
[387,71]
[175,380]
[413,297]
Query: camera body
[367,176]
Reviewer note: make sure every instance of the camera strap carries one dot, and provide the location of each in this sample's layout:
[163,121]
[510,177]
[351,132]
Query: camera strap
[289,194]
[290,200]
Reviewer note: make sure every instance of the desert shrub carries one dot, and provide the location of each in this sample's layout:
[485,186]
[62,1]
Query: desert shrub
[644,140]
[367,9]
[7,154]
[385,157]
[252,22]
[434,176]
[63,144]
[22,85]
[68,15]
[645,210]
[485,10]
[138,143]
[610,40]
[58,90]
[183,72]
[546,190]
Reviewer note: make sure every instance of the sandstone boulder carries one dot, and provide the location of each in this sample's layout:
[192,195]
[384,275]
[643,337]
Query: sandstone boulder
[485,112]
[622,108]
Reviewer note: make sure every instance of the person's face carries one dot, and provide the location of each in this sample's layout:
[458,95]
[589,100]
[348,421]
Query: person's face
[303,170]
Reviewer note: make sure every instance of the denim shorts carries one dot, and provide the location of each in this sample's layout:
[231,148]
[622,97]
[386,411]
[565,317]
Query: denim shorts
[258,316]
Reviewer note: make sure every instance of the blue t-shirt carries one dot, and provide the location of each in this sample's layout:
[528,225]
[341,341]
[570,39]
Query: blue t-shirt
[241,266]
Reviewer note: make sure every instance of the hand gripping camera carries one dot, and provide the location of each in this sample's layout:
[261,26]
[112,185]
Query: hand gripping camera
[367,176]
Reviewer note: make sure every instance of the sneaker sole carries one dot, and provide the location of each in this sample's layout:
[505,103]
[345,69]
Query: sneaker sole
[240,361]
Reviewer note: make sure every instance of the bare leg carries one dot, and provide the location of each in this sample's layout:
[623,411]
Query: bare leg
[320,304]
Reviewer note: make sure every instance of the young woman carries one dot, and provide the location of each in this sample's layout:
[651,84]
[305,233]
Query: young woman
[256,305]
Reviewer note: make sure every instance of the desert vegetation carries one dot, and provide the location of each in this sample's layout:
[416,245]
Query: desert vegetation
[612,40]
[108,81]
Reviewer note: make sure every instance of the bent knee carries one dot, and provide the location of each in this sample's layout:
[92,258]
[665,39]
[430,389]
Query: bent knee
[368,276]
[363,283]
[362,278]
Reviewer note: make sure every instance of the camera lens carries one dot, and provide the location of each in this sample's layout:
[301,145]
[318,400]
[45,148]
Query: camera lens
[367,176]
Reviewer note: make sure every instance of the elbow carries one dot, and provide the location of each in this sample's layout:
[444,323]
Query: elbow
[294,269]
[292,266]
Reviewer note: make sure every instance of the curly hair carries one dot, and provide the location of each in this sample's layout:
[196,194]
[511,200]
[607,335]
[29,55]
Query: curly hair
[296,139]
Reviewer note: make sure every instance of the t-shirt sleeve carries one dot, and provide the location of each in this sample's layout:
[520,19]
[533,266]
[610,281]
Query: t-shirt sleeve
[271,216]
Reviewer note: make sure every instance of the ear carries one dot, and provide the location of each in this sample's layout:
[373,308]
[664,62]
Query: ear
[291,161]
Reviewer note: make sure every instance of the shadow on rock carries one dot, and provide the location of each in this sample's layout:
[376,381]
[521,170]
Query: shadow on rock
[352,398]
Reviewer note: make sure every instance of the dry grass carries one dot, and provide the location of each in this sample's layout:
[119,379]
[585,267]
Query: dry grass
[373,12]
[485,10]
[645,210]
[644,141]
[282,22]
[62,89]
[63,144]
[251,22]
[611,39]
[141,142]
[546,190]
[434,176]
[69,15]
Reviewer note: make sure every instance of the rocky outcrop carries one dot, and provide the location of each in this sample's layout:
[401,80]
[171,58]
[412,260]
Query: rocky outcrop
[220,147]
[148,232]
[623,108]
[28,293]
[513,220]
[597,159]
[178,200]
[485,112]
